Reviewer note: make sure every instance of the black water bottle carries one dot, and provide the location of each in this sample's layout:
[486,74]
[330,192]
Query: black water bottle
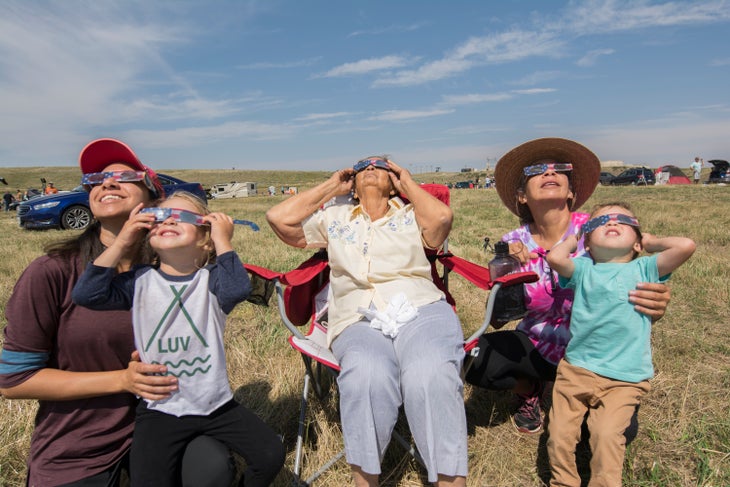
[510,302]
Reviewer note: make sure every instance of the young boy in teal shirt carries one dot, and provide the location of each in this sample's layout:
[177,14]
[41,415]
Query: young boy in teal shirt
[607,364]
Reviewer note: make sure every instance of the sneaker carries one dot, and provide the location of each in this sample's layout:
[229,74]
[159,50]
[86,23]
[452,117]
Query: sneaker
[528,418]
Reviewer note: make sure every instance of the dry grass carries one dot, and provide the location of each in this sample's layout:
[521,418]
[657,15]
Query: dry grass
[684,437]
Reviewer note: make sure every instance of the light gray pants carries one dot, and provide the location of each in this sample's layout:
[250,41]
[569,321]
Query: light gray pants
[420,369]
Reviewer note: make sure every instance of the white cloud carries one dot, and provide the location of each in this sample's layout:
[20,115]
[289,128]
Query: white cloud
[535,91]
[550,38]
[476,51]
[313,117]
[470,99]
[718,63]
[537,78]
[389,29]
[365,66]
[405,115]
[303,63]
[204,135]
[600,16]
[590,58]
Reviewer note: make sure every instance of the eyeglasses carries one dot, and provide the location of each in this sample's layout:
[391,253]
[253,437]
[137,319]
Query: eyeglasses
[127,176]
[182,216]
[537,169]
[370,161]
[599,221]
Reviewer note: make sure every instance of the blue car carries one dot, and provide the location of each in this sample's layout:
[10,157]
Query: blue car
[70,209]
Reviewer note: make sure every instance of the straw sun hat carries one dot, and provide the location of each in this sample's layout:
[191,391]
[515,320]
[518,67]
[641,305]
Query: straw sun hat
[583,178]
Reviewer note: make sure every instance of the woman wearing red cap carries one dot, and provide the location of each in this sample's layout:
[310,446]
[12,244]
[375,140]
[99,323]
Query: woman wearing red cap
[81,373]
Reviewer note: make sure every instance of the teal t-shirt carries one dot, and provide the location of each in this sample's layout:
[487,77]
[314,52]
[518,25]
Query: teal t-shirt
[607,336]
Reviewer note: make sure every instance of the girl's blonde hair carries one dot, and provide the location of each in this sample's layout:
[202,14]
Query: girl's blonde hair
[201,207]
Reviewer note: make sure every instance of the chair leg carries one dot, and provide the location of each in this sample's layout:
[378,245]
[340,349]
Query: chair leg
[300,433]
[299,452]
[409,448]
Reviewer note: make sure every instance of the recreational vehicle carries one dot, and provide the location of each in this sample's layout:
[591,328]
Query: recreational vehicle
[233,190]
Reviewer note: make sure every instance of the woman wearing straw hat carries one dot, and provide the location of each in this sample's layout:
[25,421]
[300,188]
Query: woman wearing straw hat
[543,182]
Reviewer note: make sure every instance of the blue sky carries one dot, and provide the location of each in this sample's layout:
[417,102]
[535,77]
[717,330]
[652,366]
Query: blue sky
[293,84]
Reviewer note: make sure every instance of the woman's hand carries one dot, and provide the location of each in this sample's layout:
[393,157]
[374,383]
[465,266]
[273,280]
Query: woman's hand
[343,181]
[147,380]
[650,299]
[399,177]
[521,252]
[134,228]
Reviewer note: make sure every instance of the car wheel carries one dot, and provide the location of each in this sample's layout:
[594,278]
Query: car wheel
[76,218]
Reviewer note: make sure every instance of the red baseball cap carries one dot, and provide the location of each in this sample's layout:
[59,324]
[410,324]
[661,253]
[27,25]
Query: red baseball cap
[100,153]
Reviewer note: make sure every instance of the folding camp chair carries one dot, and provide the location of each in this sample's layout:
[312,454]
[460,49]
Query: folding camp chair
[302,299]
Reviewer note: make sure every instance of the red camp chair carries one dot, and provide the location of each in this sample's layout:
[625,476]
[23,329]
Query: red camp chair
[302,299]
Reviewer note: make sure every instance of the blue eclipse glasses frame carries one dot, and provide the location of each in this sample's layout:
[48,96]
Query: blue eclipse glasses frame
[363,164]
[184,216]
[537,169]
[599,221]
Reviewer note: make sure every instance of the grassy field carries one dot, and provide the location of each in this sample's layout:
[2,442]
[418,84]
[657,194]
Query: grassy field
[684,436]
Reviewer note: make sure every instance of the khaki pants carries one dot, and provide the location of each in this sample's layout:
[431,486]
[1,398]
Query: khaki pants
[610,404]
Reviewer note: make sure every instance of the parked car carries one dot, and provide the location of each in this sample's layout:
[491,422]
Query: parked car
[636,175]
[464,184]
[605,178]
[70,209]
[31,193]
[720,172]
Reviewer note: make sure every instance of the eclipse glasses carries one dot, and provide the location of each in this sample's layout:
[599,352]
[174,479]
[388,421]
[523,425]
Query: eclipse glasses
[537,169]
[125,176]
[370,161]
[184,216]
[599,221]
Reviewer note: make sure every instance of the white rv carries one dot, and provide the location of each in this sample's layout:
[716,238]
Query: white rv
[233,190]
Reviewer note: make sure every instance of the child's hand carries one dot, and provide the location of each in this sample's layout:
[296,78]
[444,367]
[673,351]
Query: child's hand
[650,243]
[134,228]
[221,231]
[571,242]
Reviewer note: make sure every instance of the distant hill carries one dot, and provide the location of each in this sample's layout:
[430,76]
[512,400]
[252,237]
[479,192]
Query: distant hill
[68,177]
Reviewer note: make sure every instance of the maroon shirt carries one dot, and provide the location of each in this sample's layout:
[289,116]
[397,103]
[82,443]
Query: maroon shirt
[76,439]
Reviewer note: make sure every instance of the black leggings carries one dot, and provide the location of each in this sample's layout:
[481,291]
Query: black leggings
[159,442]
[206,463]
[504,358]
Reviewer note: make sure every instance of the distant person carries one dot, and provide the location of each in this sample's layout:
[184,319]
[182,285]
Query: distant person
[696,167]
[200,275]
[607,364]
[51,189]
[18,195]
[7,200]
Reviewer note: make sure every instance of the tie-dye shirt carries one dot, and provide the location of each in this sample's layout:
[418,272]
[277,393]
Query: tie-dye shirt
[548,305]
